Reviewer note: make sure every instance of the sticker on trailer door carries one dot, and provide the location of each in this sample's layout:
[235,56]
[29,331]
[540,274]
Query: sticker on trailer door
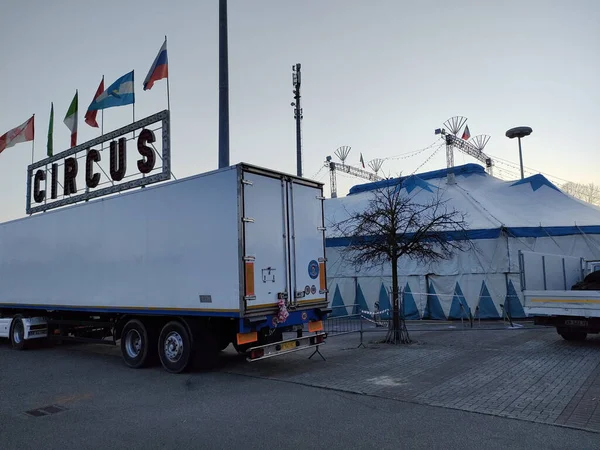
[313,269]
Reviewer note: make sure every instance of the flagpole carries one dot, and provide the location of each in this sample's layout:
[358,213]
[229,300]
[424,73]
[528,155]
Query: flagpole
[102,118]
[33,141]
[168,94]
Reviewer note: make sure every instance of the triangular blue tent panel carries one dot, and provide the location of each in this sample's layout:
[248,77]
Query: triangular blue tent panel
[337,304]
[409,307]
[433,310]
[513,304]
[384,302]
[413,182]
[487,309]
[456,312]
[361,303]
[536,181]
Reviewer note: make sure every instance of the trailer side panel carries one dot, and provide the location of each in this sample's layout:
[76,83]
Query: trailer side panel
[168,249]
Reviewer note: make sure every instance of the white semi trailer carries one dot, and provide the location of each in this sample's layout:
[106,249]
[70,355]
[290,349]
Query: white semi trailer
[173,272]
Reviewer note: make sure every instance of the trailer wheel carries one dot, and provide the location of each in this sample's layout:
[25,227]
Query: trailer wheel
[175,347]
[17,333]
[136,344]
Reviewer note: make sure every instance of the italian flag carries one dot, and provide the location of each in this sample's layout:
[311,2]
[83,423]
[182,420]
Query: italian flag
[71,120]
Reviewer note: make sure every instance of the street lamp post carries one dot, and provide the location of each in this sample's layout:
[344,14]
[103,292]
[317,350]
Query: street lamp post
[519,132]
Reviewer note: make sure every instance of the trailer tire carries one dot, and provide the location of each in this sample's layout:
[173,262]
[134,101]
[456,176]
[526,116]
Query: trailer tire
[17,333]
[137,344]
[571,335]
[175,347]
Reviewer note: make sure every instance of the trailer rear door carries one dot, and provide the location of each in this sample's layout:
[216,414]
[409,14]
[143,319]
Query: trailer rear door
[283,239]
[307,243]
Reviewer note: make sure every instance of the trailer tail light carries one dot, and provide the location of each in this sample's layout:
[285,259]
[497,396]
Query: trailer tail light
[249,278]
[247,338]
[322,278]
[315,326]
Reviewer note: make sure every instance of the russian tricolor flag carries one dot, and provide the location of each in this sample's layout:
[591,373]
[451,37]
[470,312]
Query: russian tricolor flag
[159,68]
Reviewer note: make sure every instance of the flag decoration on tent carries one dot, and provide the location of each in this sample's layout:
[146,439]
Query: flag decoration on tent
[90,115]
[362,161]
[71,120]
[119,93]
[49,145]
[159,68]
[23,133]
[466,134]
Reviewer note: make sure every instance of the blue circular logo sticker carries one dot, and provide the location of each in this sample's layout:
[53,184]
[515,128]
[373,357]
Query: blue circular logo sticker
[313,269]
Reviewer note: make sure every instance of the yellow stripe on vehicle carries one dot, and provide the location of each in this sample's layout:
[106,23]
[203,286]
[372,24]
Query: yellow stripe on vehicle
[553,300]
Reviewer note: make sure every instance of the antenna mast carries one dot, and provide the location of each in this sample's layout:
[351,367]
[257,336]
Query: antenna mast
[296,80]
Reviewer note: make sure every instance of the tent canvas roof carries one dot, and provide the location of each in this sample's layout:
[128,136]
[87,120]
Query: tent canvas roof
[529,207]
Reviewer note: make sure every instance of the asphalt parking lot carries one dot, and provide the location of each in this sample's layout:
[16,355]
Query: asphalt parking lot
[517,388]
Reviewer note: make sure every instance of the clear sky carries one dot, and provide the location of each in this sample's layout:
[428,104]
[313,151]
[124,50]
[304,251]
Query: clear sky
[378,76]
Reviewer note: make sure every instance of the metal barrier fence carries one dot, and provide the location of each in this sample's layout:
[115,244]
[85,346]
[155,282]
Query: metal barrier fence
[354,320]
[336,325]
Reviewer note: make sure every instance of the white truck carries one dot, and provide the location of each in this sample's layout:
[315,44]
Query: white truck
[173,272]
[562,292]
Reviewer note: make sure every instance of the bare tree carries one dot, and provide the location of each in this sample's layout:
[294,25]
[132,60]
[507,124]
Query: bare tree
[588,192]
[393,225]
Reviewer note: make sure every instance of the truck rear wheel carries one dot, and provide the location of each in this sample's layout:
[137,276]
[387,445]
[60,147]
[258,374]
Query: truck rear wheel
[175,347]
[17,333]
[571,335]
[138,344]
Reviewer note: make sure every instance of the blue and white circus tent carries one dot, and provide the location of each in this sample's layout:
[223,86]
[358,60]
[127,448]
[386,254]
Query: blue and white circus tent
[503,217]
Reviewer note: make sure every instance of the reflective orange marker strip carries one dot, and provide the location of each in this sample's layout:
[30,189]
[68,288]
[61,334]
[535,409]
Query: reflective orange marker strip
[249,278]
[315,326]
[246,338]
[323,281]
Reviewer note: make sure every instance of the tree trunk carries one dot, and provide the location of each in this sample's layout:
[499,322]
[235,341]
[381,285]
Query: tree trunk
[395,302]
[398,333]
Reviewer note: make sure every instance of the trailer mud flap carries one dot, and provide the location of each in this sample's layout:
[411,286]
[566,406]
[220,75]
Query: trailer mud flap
[286,346]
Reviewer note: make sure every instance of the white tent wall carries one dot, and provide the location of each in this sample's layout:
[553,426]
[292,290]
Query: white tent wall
[476,274]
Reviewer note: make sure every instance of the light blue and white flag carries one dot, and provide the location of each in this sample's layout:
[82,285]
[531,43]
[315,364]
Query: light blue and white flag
[117,94]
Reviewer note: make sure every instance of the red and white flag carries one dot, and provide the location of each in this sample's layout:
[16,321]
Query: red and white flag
[466,134]
[22,133]
[90,115]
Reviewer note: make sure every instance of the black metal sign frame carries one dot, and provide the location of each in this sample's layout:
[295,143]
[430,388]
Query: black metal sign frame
[164,175]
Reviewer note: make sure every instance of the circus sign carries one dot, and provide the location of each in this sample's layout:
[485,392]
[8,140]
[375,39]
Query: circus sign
[123,159]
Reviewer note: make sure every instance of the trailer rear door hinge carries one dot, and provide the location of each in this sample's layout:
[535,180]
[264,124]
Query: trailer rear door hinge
[322,259]
[250,297]
[249,258]
[248,182]
[322,228]
[323,291]
[248,219]
[282,296]
[320,197]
